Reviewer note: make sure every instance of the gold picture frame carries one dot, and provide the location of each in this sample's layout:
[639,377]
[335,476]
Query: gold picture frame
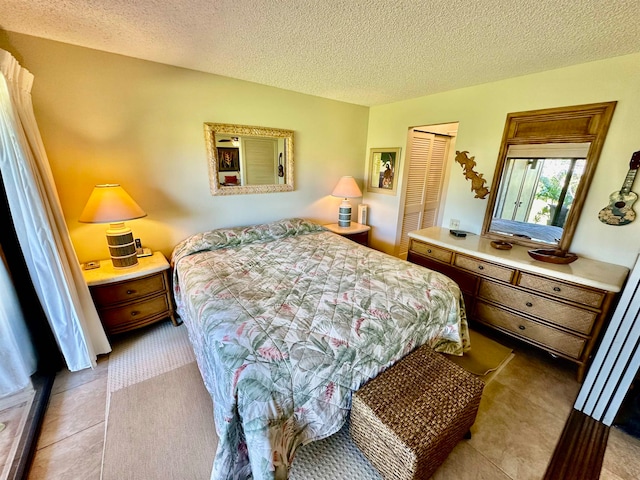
[383,170]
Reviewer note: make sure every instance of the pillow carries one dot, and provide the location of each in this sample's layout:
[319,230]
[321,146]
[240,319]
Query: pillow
[235,236]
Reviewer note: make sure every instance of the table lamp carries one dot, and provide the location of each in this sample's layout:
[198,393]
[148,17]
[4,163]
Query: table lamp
[346,188]
[110,203]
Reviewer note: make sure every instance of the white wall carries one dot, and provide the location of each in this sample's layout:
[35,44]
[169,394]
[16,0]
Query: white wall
[481,112]
[109,118]
[106,118]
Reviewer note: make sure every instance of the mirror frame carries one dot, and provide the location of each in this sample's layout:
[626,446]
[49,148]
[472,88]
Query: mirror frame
[574,124]
[210,131]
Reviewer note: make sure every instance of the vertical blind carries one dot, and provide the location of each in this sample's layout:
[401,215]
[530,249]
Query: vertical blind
[617,360]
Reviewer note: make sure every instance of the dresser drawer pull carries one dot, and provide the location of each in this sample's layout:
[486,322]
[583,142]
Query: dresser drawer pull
[429,250]
[134,313]
[130,292]
[556,289]
[522,327]
[529,304]
[480,267]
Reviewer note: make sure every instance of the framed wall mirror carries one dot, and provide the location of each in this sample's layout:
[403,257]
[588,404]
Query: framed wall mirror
[246,159]
[545,166]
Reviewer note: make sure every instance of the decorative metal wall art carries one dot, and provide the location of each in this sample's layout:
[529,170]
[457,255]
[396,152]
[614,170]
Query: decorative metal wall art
[477,181]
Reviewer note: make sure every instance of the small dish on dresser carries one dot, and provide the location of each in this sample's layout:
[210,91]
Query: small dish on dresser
[501,245]
[553,256]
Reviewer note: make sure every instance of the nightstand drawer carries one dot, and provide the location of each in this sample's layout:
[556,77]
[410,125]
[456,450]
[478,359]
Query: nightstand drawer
[128,290]
[355,232]
[130,298]
[362,238]
[135,313]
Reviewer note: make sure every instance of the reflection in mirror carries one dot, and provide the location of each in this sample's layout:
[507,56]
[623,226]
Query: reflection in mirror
[538,189]
[546,162]
[245,159]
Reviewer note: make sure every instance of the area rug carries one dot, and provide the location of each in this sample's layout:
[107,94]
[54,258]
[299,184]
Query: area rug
[485,356]
[161,428]
[160,418]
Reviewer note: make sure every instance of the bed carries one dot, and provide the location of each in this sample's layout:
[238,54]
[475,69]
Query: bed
[287,320]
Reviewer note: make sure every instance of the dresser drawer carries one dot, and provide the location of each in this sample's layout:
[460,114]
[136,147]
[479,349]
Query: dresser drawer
[466,281]
[567,316]
[127,290]
[483,268]
[553,339]
[134,313]
[574,293]
[437,253]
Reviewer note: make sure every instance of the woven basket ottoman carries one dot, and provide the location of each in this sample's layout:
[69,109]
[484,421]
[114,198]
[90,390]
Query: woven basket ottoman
[407,420]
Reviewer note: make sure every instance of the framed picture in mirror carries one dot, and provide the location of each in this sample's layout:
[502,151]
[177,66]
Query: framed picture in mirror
[229,159]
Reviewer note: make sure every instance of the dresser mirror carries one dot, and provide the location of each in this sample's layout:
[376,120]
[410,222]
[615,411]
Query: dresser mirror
[245,159]
[545,166]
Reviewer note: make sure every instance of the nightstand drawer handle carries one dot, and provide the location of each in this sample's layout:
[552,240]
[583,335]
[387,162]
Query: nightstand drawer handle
[556,289]
[130,292]
[134,313]
[480,267]
[521,327]
[529,304]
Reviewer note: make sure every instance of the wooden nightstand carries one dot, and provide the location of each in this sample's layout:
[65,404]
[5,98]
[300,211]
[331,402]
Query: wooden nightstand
[356,231]
[131,298]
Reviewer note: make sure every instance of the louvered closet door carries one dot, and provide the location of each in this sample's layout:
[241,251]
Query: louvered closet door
[261,164]
[427,155]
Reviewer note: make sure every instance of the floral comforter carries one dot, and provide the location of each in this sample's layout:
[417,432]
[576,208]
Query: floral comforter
[287,320]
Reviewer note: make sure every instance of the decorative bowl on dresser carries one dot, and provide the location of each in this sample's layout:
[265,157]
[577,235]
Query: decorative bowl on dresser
[559,308]
[130,298]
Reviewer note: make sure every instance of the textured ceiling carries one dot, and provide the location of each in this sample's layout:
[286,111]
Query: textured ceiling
[367,52]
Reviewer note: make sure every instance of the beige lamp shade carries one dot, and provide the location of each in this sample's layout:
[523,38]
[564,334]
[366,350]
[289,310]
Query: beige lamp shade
[109,203]
[347,188]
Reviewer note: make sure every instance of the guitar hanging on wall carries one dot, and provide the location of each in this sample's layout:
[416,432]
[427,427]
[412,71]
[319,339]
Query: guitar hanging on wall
[280,166]
[619,211]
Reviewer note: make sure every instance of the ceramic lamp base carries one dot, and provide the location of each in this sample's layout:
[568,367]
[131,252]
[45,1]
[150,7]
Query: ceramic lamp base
[122,248]
[344,214]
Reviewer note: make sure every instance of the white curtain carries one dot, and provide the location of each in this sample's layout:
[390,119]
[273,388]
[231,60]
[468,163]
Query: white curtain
[40,225]
[17,358]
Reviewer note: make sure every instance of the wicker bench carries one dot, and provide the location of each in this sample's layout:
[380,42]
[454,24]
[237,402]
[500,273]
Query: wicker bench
[407,420]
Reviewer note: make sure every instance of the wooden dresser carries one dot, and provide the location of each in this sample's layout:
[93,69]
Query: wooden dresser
[559,308]
[130,298]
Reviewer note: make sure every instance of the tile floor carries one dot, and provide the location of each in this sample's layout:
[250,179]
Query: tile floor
[14,411]
[520,420]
